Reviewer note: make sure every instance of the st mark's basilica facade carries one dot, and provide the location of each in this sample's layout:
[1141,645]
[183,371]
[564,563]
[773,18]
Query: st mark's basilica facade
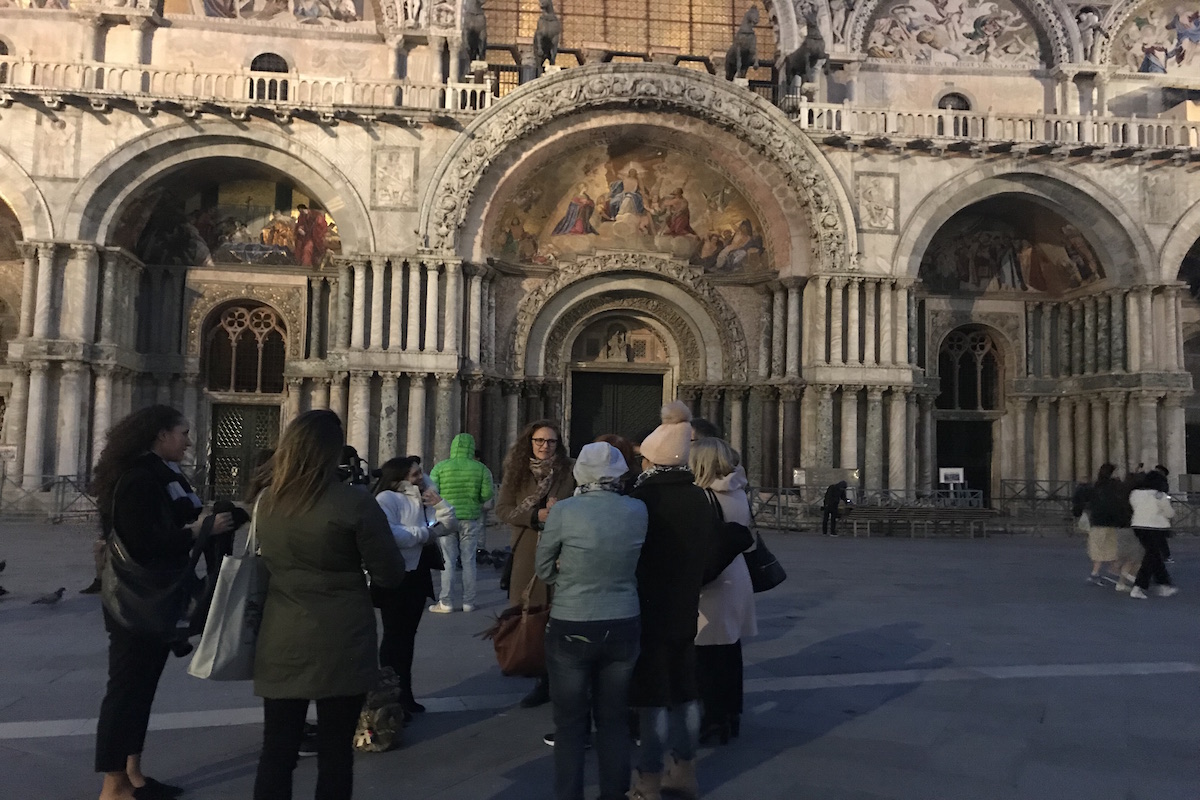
[964,237]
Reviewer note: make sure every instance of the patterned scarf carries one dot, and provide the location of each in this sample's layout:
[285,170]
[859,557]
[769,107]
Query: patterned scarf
[616,485]
[543,470]
[659,469]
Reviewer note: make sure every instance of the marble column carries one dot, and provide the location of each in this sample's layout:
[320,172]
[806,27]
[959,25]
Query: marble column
[710,399]
[837,287]
[511,391]
[824,432]
[1171,337]
[358,311]
[1045,337]
[1133,431]
[764,334]
[873,446]
[291,403]
[848,455]
[790,437]
[1098,435]
[1076,337]
[35,427]
[1148,412]
[1041,441]
[1103,339]
[870,325]
[320,393]
[736,397]
[415,441]
[412,339]
[910,438]
[904,313]
[552,391]
[853,304]
[778,332]
[29,252]
[897,440]
[1089,334]
[1083,468]
[70,410]
[430,343]
[475,325]
[107,270]
[820,327]
[15,416]
[1018,408]
[337,395]
[396,307]
[794,322]
[1030,338]
[342,290]
[1064,340]
[1133,332]
[315,306]
[766,397]
[1116,431]
[531,391]
[443,419]
[454,311]
[1177,331]
[1116,331]
[1146,320]
[192,410]
[358,427]
[887,323]
[489,327]
[43,317]
[1066,446]
[476,386]
[928,442]
[809,454]
[378,304]
[1174,455]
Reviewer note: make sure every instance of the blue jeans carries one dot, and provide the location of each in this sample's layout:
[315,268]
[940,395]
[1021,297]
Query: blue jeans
[465,542]
[590,664]
[676,729]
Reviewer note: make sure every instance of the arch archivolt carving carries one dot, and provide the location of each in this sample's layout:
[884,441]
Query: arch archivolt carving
[763,127]
[1052,16]
[1184,234]
[22,195]
[1008,330]
[569,325]
[288,302]
[724,328]
[1114,21]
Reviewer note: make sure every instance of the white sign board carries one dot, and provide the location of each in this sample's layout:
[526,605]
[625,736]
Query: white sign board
[950,475]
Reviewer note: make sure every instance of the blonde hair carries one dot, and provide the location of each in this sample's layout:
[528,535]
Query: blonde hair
[305,462]
[710,460]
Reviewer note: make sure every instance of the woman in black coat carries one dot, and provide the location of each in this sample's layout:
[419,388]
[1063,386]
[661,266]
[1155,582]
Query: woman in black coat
[147,501]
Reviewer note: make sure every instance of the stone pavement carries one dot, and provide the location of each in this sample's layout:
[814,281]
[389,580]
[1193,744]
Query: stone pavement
[884,668]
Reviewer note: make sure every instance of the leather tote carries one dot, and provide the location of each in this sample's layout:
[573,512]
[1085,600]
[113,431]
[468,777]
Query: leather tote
[519,637]
[765,570]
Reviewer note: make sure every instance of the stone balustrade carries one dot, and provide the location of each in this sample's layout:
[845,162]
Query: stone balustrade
[239,89]
[988,127]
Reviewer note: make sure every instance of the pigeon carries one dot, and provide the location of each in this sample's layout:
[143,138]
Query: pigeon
[3,591]
[50,599]
[3,564]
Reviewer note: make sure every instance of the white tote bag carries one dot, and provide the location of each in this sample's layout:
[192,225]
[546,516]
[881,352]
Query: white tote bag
[226,649]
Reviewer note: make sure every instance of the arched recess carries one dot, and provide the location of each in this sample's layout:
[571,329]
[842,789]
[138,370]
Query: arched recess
[1057,27]
[28,204]
[1003,328]
[1180,241]
[786,229]
[762,127]
[711,320]
[287,304]
[244,349]
[1125,252]
[677,331]
[103,195]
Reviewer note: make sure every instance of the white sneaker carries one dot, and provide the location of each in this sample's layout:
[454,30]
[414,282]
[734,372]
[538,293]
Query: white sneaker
[441,608]
[1137,594]
[1124,587]
[1164,591]
[468,607]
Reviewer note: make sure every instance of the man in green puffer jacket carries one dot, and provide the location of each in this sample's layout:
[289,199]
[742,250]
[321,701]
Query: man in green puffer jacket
[465,484]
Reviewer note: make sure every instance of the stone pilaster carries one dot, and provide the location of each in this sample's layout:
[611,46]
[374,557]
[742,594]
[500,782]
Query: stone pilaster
[710,403]
[1076,307]
[1045,337]
[1171,338]
[476,386]
[109,269]
[531,391]
[316,291]
[1017,407]
[1133,333]
[873,446]
[1103,339]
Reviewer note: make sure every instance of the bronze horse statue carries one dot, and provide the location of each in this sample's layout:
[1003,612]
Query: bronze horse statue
[743,53]
[475,30]
[547,36]
[804,59]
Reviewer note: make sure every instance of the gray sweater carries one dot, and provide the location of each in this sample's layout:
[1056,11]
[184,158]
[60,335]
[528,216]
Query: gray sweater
[589,551]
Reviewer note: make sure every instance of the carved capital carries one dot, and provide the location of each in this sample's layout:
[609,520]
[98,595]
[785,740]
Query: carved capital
[790,392]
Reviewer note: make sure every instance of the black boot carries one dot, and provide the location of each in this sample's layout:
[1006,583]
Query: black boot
[539,696]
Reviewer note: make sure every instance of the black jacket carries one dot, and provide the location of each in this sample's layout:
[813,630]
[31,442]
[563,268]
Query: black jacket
[150,513]
[1108,505]
[680,538]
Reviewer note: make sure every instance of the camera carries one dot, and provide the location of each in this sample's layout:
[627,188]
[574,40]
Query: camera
[352,469]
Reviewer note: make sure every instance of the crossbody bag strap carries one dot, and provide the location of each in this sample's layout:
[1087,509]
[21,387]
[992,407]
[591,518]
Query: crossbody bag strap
[716,504]
[252,534]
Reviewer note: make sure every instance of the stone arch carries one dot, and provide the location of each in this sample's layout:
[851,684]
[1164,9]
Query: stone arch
[100,199]
[1183,236]
[1057,25]
[722,350]
[763,127]
[1006,332]
[287,303]
[22,195]
[253,330]
[1083,203]
[672,325]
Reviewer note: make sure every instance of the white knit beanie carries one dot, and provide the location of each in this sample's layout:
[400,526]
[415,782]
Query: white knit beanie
[669,444]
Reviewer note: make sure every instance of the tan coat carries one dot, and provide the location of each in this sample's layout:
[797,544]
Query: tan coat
[513,490]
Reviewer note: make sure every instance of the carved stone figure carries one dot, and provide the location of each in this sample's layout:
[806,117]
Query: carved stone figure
[1091,31]
[743,53]
[547,35]
[475,30]
[804,59]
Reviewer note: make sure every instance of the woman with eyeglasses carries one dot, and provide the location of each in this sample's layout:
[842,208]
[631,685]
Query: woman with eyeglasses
[537,474]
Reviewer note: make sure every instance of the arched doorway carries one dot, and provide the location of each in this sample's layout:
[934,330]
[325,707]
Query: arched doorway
[243,354]
[969,404]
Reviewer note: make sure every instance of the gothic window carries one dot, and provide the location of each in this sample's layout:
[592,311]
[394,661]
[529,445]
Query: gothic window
[262,88]
[970,371]
[245,349]
[954,102]
[955,126]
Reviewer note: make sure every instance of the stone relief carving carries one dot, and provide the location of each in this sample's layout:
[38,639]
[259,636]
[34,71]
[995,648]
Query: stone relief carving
[557,345]
[733,339]
[1011,325]
[288,301]
[878,194]
[394,177]
[760,125]
[57,146]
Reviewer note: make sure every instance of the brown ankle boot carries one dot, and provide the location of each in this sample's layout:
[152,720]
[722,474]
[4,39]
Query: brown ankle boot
[679,781]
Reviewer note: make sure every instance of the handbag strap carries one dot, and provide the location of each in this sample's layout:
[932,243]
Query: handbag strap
[526,592]
[252,534]
[716,504]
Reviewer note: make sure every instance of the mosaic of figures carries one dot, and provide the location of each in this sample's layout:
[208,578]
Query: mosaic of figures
[630,198]
[236,224]
[1160,39]
[317,12]
[980,252]
[953,31]
[10,234]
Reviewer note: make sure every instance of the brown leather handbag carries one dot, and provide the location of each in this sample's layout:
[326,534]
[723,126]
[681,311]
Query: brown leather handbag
[519,637]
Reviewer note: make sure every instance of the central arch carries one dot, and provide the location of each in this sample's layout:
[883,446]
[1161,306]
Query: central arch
[767,132]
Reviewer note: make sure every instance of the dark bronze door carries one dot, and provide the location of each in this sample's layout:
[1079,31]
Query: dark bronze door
[240,433]
[625,403]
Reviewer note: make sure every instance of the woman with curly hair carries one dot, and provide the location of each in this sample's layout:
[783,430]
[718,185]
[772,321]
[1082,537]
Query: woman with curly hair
[145,499]
[537,474]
